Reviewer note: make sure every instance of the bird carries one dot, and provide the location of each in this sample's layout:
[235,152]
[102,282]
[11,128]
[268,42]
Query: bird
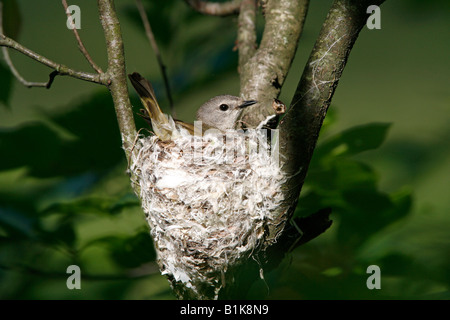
[220,112]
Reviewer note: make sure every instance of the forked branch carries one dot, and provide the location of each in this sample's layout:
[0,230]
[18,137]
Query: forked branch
[264,73]
[114,78]
[60,69]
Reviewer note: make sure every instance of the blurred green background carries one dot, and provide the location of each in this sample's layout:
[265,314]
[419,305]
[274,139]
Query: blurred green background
[382,164]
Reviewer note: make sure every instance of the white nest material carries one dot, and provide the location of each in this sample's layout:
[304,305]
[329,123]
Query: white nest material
[208,201]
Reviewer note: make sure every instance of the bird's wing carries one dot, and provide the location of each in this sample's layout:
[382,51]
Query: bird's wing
[188,126]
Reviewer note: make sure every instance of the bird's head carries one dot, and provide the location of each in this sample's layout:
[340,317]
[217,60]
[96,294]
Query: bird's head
[222,112]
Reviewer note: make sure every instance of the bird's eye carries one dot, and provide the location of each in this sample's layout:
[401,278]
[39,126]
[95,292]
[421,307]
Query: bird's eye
[223,107]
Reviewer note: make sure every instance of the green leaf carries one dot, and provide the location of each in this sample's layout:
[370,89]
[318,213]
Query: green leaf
[128,252]
[97,147]
[367,211]
[135,251]
[354,141]
[63,231]
[83,205]
[332,272]
[16,224]
[127,201]
[93,204]
[33,145]
[341,174]
[396,264]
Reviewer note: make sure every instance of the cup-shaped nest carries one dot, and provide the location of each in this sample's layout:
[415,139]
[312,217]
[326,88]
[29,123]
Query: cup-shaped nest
[209,202]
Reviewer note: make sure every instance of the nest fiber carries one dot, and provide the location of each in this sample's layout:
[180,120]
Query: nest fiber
[208,200]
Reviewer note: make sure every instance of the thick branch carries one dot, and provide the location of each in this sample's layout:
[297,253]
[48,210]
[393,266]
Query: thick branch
[264,74]
[299,129]
[117,74]
[246,40]
[215,8]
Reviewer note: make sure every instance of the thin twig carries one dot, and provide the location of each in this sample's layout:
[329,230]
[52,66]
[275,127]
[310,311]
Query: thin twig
[60,68]
[13,69]
[80,43]
[215,8]
[16,73]
[151,39]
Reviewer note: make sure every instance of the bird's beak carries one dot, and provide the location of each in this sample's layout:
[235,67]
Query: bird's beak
[247,103]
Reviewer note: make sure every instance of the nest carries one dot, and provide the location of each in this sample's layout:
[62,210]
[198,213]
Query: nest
[208,200]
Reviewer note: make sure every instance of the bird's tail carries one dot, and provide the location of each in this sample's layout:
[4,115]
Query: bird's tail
[161,124]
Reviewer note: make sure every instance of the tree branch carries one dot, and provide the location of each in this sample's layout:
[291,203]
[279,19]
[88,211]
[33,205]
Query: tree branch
[246,40]
[60,68]
[116,73]
[10,64]
[215,8]
[114,78]
[17,74]
[299,129]
[151,39]
[264,74]
[80,43]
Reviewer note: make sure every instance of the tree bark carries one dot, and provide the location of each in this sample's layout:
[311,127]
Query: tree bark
[299,129]
[246,39]
[117,74]
[264,73]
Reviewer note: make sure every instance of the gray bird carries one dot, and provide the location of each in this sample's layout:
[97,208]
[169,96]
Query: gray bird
[221,112]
